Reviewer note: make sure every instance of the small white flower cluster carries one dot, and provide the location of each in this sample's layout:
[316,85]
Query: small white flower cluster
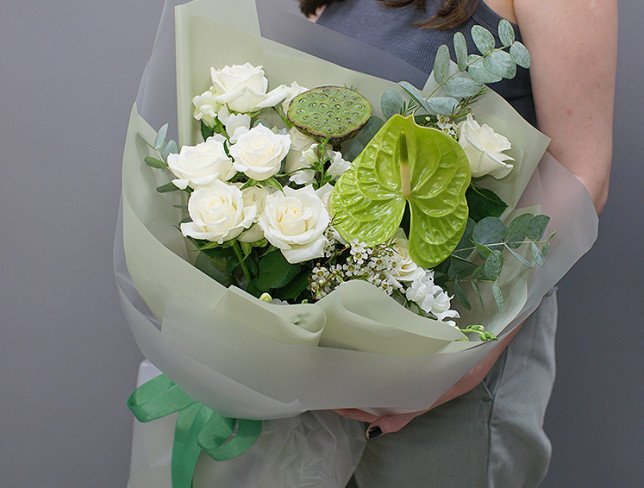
[444,124]
[431,298]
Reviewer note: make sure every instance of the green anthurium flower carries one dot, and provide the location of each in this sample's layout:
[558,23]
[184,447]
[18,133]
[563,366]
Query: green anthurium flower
[406,164]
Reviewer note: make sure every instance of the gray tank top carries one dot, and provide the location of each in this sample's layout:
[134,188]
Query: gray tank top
[392,31]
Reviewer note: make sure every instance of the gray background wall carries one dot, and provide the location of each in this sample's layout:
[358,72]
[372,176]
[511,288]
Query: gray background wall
[68,73]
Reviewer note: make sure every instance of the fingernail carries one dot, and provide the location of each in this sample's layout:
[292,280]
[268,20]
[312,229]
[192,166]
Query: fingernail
[374,432]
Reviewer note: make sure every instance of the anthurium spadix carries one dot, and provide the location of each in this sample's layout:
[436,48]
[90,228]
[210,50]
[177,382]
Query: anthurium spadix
[406,164]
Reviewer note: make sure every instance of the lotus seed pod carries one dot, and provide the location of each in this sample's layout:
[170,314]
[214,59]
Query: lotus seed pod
[330,112]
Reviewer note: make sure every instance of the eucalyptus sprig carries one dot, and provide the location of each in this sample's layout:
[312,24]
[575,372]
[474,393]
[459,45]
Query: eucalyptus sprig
[163,149]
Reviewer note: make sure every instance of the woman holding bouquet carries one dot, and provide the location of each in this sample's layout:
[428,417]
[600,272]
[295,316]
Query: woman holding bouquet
[487,431]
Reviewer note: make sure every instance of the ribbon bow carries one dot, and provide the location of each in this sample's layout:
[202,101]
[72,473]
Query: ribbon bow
[198,428]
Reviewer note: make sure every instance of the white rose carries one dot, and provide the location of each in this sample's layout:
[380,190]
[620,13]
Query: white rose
[338,165]
[254,196]
[244,88]
[258,152]
[206,108]
[406,269]
[218,213]
[300,143]
[295,222]
[484,149]
[200,165]
[292,91]
[235,124]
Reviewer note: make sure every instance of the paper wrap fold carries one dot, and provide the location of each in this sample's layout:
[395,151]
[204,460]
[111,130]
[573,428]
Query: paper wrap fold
[357,348]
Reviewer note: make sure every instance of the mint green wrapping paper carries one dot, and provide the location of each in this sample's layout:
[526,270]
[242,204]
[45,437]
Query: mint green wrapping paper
[357,348]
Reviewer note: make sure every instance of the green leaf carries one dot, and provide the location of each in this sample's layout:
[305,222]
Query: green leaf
[537,227]
[206,131]
[536,254]
[358,143]
[161,135]
[460,269]
[477,291]
[461,296]
[167,188]
[545,250]
[272,183]
[460,48]
[518,230]
[155,163]
[483,39]
[521,55]
[275,272]
[498,296]
[441,64]
[406,163]
[170,148]
[484,203]
[210,267]
[520,258]
[295,288]
[481,75]
[490,231]
[416,94]
[443,105]
[500,63]
[462,87]
[506,33]
[391,103]
[493,265]
[466,240]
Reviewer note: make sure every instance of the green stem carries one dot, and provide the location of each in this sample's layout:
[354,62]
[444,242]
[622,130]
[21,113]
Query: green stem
[241,259]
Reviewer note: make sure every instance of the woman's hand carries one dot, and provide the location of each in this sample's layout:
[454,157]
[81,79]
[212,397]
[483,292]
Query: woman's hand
[574,51]
[393,423]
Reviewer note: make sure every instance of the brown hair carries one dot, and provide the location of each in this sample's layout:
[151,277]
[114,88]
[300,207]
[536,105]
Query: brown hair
[450,14]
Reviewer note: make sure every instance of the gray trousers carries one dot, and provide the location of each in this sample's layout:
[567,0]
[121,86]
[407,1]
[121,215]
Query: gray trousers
[492,437]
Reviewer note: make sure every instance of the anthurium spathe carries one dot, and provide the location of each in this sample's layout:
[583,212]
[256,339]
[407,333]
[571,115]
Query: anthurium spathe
[406,164]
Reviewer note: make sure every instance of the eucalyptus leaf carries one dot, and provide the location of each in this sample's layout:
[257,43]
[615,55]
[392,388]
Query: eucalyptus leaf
[484,203]
[460,48]
[493,265]
[461,296]
[536,254]
[167,188]
[537,227]
[520,55]
[500,63]
[466,240]
[483,39]
[477,291]
[462,87]
[498,296]
[416,94]
[161,135]
[441,64]
[443,105]
[518,230]
[520,258]
[155,163]
[460,269]
[506,33]
[481,75]
[169,148]
[391,103]
[490,232]
[406,164]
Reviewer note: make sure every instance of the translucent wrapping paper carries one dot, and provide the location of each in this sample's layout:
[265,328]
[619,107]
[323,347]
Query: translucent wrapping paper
[356,348]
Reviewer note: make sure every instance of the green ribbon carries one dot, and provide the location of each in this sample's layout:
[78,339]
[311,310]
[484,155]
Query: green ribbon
[198,428]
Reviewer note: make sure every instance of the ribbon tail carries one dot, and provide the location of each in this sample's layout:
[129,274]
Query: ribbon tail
[186,450]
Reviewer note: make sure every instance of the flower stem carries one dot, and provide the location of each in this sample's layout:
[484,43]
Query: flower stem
[242,263]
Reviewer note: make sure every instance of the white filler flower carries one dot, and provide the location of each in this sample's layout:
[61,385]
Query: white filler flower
[218,213]
[200,165]
[484,149]
[244,88]
[431,298]
[206,108]
[295,222]
[258,152]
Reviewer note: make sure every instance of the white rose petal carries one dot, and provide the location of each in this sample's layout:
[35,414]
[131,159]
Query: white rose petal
[406,270]
[338,165]
[218,213]
[258,152]
[206,108]
[235,124]
[295,222]
[484,149]
[244,88]
[294,90]
[200,165]
[300,143]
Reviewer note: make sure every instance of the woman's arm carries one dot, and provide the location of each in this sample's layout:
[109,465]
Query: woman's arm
[574,49]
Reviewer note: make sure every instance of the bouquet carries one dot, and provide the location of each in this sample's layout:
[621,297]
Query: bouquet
[322,239]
